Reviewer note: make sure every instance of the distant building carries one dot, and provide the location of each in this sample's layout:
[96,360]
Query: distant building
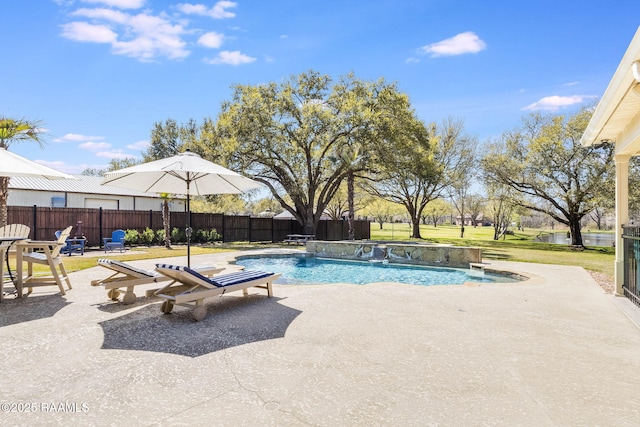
[480,220]
[285,214]
[85,192]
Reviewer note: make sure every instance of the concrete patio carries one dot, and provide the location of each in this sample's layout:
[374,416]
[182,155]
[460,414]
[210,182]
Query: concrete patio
[554,350]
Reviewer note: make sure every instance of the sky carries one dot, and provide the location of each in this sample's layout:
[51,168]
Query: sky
[99,73]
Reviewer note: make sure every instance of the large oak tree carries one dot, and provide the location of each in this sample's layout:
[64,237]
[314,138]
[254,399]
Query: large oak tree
[303,137]
[417,164]
[545,163]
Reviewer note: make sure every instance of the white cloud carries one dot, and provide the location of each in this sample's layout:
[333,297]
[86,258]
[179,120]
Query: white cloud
[412,60]
[122,4]
[143,36]
[212,40]
[146,35]
[218,11]
[231,58]
[459,44]
[554,103]
[94,146]
[74,137]
[85,32]
[571,84]
[114,154]
[139,145]
[114,16]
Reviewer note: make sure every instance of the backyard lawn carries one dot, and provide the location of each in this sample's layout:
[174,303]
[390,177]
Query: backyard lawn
[521,246]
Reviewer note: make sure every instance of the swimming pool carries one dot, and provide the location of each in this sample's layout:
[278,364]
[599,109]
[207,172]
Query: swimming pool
[312,270]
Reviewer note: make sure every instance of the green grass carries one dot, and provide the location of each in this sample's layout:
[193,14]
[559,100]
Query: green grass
[522,246]
[75,263]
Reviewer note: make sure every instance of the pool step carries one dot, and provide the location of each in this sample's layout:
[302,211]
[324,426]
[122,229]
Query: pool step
[476,269]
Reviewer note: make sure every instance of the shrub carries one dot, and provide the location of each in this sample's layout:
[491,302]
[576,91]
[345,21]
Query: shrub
[213,235]
[199,236]
[178,235]
[131,237]
[147,237]
[160,236]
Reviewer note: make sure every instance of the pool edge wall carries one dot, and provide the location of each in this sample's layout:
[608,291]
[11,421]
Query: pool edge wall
[405,253]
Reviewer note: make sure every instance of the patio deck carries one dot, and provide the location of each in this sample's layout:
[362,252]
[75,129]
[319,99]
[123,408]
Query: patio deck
[554,350]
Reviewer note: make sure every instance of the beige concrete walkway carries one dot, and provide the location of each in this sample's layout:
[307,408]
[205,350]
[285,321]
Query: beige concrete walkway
[552,351]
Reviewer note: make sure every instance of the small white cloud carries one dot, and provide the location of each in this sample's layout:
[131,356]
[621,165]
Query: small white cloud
[115,16]
[571,84]
[139,145]
[114,154]
[122,4]
[554,103]
[211,40]
[94,146]
[218,11]
[412,60]
[231,58]
[74,137]
[85,32]
[459,44]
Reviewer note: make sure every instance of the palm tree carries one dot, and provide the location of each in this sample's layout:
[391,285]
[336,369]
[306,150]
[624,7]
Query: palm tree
[352,159]
[14,130]
[166,219]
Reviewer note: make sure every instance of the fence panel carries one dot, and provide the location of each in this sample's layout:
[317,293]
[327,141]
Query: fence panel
[261,230]
[631,254]
[99,223]
[282,227]
[236,228]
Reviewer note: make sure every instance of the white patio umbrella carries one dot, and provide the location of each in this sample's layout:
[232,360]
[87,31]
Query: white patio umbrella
[185,173]
[12,164]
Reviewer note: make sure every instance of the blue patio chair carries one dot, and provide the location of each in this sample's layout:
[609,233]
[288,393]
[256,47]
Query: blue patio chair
[116,241]
[71,244]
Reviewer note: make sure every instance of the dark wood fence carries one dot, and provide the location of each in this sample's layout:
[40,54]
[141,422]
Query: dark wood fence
[99,223]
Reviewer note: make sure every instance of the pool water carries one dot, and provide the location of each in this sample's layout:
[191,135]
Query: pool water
[308,270]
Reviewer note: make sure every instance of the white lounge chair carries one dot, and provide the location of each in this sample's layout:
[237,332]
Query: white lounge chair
[126,277]
[190,288]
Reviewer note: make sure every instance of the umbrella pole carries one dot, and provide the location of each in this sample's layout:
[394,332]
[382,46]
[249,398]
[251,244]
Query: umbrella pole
[188,230]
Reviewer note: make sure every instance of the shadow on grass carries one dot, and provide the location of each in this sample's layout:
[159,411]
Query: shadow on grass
[498,256]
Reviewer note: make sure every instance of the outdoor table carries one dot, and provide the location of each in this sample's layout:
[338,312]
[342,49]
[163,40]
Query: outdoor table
[4,253]
[299,238]
[74,244]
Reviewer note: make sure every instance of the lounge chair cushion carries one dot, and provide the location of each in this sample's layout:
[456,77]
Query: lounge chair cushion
[124,267]
[222,280]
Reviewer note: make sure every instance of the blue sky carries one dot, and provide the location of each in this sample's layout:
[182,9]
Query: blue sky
[99,73]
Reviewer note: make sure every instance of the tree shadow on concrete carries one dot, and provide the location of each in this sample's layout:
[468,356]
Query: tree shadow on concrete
[231,321]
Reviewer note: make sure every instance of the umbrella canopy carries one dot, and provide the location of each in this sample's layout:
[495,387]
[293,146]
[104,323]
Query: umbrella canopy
[185,173]
[12,164]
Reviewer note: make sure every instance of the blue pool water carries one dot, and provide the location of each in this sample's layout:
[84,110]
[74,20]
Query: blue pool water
[307,270]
